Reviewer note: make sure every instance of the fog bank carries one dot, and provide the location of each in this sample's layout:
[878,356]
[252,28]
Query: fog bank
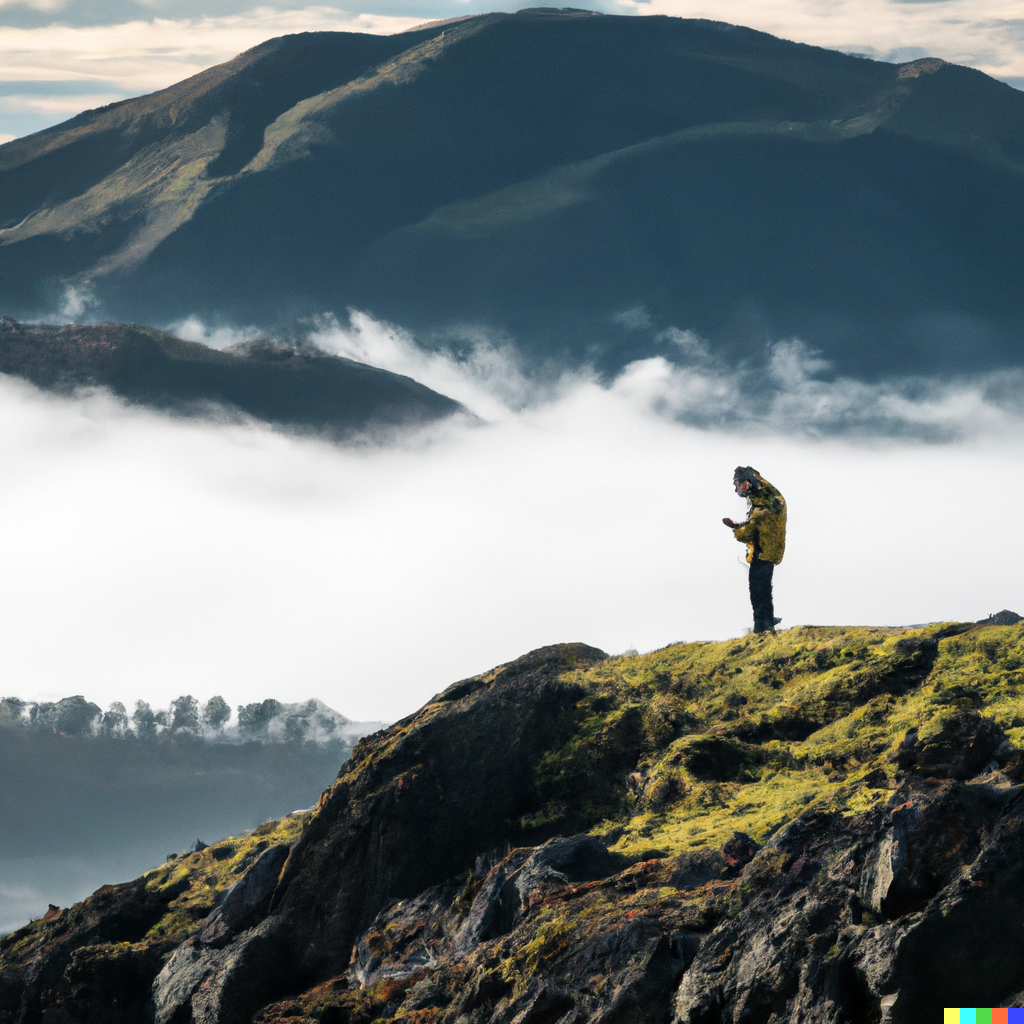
[150,556]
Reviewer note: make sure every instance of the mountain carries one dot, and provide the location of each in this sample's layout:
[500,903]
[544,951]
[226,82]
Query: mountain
[578,182]
[298,387]
[824,825]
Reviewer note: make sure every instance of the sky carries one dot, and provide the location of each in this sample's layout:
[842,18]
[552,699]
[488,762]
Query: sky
[149,556]
[59,57]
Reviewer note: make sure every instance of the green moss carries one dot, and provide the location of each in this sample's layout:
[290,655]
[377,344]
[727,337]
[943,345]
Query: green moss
[201,877]
[680,748]
[550,935]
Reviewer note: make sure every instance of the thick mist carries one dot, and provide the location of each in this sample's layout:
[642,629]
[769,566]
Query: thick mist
[149,556]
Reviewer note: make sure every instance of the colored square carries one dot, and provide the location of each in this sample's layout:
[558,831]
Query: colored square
[1015,1015]
[999,1016]
[968,1015]
[951,1015]
[983,1015]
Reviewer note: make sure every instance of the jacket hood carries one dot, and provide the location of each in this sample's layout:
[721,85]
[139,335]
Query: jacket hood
[749,474]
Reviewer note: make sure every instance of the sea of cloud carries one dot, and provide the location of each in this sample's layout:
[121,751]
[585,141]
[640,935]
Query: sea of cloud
[149,556]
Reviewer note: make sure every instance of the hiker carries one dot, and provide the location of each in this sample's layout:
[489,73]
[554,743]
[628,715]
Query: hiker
[764,533]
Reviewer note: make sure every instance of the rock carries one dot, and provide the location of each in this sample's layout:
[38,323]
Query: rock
[85,959]
[247,900]
[218,985]
[1003,618]
[695,868]
[201,969]
[964,744]
[418,804]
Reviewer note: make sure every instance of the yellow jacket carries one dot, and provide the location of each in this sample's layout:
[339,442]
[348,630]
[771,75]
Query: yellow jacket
[764,532]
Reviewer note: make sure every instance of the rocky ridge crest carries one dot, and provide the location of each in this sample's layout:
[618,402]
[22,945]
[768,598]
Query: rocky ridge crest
[824,825]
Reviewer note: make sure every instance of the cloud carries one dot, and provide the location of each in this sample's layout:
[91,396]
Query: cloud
[144,55]
[483,372]
[193,329]
[988,35]
[633,319]
[78,301]
[57,105]
[172,556]
[790,391]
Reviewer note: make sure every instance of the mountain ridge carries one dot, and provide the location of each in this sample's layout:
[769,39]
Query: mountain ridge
[295,386]
[323,171]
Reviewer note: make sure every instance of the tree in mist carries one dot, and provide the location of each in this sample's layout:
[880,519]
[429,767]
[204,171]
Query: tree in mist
[144,720]
[115,720]
[216,712]
[72,716]
[253,719]
[295,728]
[185,714]
[11,709]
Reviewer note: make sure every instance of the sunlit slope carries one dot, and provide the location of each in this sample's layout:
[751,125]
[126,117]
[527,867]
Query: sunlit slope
[745,736]
[539,173]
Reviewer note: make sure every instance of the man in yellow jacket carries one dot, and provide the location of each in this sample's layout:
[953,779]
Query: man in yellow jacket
[764,533]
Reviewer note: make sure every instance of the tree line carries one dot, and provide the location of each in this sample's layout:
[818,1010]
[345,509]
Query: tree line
[76,716]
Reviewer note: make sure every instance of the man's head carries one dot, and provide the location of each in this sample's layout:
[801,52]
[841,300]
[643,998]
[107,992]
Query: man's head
[745,480]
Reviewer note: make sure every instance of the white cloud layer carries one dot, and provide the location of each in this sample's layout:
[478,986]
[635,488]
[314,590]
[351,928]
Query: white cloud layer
[157,556]
[54,106]
[193,329]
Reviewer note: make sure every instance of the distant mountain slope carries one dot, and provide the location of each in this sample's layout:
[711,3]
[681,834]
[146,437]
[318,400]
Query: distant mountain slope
[299,388]
[540,173]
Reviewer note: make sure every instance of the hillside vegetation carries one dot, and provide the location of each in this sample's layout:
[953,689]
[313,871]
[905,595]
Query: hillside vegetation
[776,828]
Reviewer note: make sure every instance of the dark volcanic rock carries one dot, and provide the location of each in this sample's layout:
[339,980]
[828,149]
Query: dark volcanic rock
[84,966]
[863,920]
[418,803]
[1003,618]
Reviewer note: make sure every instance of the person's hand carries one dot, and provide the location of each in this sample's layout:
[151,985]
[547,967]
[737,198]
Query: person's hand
[728,522]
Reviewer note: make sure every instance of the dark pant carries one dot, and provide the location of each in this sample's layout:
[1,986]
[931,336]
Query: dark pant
[761,595]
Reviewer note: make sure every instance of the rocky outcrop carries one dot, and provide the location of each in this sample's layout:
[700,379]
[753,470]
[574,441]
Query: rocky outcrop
[86,962]
[574,838]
